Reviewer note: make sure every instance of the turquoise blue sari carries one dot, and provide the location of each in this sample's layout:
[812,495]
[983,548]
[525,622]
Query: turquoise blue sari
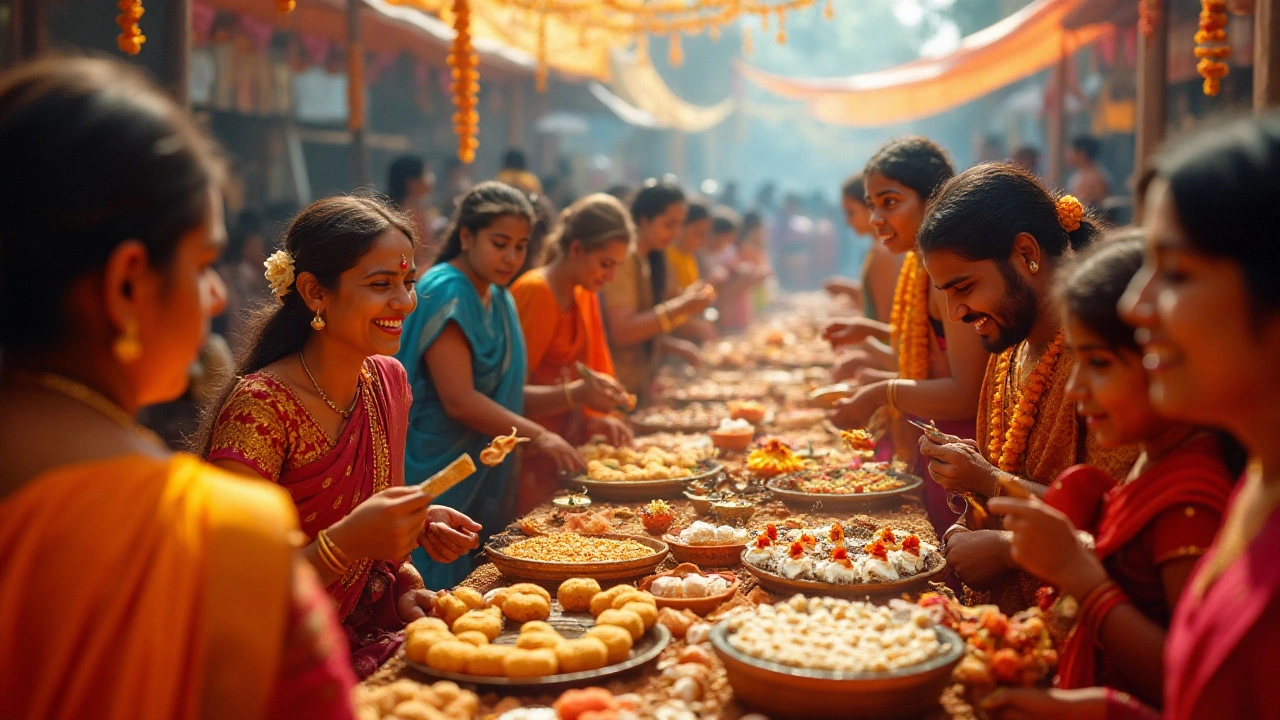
[498,367]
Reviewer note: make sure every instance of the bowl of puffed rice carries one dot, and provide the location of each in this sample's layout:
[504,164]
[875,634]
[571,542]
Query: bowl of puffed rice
[825,657]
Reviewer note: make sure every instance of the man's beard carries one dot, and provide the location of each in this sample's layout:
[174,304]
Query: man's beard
[1016,312]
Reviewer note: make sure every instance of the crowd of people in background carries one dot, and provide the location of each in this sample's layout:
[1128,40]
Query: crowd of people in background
[1080,381]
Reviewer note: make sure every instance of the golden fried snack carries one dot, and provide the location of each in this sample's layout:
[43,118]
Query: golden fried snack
[416,710]
[633,596]
[624,619]
[418,644]
[530,663]
[463,707]
[617,640]
[474,637]
[496,597]
[523,607]
[648,613]
[472,597]
[488,660]
[450,607]
[604,600]
[500,448]
[575,594]
[582,654]
[538,640]
[532,588]
[480,621]
[677,621]
[450,656]
[426,623]
[538,626]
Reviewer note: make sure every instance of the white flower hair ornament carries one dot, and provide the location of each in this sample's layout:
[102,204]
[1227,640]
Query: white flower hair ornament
[279,273]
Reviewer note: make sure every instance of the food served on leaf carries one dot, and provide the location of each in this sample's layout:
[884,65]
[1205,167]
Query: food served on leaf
[827,555]
[835,480]
[733,435]
[607,463]
[695,416]
[1013,651]
[774,458]
[500,448]
[752,411]
[656,517]
[574,548]
[855,637]
[704,533]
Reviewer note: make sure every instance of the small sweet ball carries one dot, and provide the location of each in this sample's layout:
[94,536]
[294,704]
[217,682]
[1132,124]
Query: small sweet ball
[625,619]
[617,640]
[575,594]
[582,654]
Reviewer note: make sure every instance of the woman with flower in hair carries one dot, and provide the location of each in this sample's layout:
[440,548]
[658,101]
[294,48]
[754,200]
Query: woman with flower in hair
[922,364]
[322,410]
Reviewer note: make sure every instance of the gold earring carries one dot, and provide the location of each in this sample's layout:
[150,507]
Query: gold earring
[127,347]
[1034,267]
[317,322]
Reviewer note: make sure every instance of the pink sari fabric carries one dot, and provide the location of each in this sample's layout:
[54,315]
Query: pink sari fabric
[264,426]
[1219,654]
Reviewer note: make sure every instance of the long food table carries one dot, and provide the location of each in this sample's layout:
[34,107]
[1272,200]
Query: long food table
[654,687]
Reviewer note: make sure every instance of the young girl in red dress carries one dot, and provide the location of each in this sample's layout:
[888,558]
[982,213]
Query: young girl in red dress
[1148,530]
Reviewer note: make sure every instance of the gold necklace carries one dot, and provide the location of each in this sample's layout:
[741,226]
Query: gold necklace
[346,414]
[92,399]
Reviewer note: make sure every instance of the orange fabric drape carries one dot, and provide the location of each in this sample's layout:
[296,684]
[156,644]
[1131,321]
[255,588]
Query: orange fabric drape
[1022,44]
[549,347]
[142,588]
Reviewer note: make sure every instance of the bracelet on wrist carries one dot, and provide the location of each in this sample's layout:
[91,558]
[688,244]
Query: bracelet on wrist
[568,395]
[332,557]
[664,320]
[891,394]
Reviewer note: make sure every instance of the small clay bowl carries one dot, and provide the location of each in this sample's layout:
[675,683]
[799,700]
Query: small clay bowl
[705,555]
[733,512]
[750,413]
[737,441]
[701,606]
[572,503]
[701,503]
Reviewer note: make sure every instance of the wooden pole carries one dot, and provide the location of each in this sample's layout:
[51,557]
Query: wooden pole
[1153,81]
[26,30]
[1058,122]
[355,96]
[1266,55]
[177,50]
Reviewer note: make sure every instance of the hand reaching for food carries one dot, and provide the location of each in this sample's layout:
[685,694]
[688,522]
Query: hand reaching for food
[500,448]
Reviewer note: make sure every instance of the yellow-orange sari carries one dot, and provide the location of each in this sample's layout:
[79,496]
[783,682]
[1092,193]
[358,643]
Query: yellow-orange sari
[137,587]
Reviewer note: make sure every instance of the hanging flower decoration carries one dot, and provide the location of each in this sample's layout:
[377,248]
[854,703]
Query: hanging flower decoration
[1007,445]
[1148,16]
[1211,45]
[909,319]
[131,38]
[284,7]
[466,82]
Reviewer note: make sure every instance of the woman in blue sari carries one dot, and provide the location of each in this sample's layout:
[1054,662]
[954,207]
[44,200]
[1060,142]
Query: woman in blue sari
[465,355]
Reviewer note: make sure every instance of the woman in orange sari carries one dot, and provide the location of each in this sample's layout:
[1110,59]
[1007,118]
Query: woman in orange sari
[322,410]
[193,603]
[560,317]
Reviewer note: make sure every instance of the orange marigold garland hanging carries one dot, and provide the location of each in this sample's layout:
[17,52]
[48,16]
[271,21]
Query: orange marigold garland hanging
[1211,44]
[466,82]
[130,38]
[1008,445]
[909,319]
[1148,16]
[284,7]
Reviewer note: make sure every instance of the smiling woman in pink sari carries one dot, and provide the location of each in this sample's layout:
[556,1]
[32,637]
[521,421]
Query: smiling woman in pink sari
[321,410]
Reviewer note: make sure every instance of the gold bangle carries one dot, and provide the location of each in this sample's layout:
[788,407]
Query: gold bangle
[568,396]
[328,561]
[333,547]
[891,394]
[664,321]
[329,552]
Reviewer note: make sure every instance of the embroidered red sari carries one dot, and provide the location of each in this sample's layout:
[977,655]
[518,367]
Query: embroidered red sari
[265,426]
[1172,511]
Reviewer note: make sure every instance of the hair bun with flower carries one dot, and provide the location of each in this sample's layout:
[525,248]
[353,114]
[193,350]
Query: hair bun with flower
[279,273]
[1070,212]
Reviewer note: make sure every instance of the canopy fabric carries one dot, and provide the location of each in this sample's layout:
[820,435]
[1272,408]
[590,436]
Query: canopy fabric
[639,96]
[1020,45]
